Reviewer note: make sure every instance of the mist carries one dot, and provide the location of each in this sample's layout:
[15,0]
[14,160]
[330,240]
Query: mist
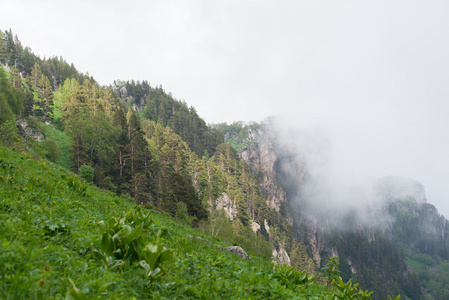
[373,75]
[324,186]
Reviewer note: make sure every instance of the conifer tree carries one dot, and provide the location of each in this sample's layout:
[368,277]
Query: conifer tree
[28,104]
[12,97]
[10,48]
[80,154]
[36,74]
[46,96]
[122,146]
[18,49]
[3,53]
[15,77]
[139,160]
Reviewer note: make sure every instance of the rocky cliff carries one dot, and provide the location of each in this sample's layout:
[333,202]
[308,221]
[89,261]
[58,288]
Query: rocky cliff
[261,158]
[367,226]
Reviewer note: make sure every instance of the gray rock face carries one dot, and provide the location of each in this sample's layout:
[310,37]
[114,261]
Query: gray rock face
[123,92]
[225,203]
[137,108]
[261,158]
[24,126]
[280,256]
[237,250]
[254,226]
[267,227]
[261,155]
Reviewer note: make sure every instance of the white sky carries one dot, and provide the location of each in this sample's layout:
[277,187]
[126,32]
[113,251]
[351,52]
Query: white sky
[375,73]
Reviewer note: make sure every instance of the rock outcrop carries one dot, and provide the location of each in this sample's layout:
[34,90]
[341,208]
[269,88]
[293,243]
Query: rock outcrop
[280,256]
[24,126]
[236,250]
[255,227]
[225,203]
[261,158]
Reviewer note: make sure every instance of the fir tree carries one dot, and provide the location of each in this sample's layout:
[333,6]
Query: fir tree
[139,160]
[3,53]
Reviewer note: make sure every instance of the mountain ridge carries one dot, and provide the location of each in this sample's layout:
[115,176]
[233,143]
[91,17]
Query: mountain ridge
[139,142]
[398,215]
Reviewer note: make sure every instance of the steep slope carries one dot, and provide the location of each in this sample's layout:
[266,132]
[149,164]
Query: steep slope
[131,138]
[373,241]
[54,244]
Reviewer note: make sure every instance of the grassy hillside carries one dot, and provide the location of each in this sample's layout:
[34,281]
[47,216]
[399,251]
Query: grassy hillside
[53,246]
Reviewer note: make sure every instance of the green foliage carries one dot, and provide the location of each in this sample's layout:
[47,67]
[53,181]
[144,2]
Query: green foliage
[348,291]
[163,109]
[75,293]
[2,48]
[48,230]
[77,185]
[152,255]
[5,110]
[51,148]
[221,226]
[237,133]
[436,279]
[167,158]
[126,240]
[87,173]
[411,223]
[291,277]
[181,213]
[331,270]
[9,136]
[380,264]
[152,156]
[11,98]
[63,142]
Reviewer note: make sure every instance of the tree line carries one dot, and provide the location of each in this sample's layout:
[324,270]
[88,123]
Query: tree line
[132,138]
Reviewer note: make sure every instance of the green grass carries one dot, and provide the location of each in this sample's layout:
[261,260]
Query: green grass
[49,222]
[416,265]
[64,143]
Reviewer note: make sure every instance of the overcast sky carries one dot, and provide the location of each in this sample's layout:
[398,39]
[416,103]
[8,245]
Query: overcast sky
[375,74]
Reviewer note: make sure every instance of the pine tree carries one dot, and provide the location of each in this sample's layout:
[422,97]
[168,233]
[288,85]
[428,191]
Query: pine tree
[121,147]
[15,77]
[12,97]
[28,104]
[18,48]
[80,154]
[139,160]
[46,96]
[11,55]
[3,53]
[36,74]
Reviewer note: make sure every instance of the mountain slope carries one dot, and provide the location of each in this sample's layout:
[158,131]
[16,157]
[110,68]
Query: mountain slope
[390,243]
[50,222]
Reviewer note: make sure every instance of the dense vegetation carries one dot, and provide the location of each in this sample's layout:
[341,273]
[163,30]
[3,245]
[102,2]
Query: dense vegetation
[64,237]
[94,132]
[407,255]
[156,105]
[130,138]
[103,205]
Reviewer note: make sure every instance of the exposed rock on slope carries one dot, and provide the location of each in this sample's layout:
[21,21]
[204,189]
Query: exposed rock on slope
[280,256]
[24,126]
[368,224]
[261,158]
[225,203]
